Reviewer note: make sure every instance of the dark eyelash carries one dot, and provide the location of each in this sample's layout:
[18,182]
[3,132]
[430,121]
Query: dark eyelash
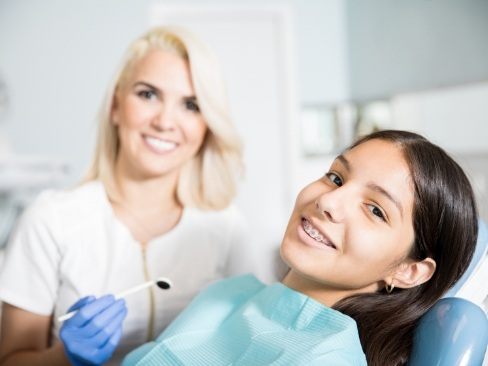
[146,94]
[382,217]
[328,175]
[192,105]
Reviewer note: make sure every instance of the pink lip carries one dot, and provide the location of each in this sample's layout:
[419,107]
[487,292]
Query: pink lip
[317,227]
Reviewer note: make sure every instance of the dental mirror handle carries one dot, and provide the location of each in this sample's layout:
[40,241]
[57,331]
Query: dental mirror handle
[161,282]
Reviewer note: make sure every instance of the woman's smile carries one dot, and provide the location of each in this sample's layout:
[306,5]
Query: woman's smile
[159,145]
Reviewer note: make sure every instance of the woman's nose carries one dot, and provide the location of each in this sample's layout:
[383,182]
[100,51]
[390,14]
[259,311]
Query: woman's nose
[164,120]
[332,205]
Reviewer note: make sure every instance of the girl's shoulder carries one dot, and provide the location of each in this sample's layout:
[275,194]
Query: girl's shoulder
[235,287]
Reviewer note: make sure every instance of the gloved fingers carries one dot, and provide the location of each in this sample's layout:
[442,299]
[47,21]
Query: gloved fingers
[98,356]
[102,319]
[81,302]
[108,349]
[98,349]
[102,337]
[79,354]
[88,311]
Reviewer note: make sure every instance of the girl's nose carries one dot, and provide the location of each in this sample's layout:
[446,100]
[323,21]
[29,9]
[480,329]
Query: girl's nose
[332,204]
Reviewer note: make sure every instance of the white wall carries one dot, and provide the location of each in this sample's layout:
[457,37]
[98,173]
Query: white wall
[405,46]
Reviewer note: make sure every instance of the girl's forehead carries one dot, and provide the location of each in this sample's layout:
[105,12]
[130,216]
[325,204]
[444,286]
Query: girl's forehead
[376,151]
[379,163]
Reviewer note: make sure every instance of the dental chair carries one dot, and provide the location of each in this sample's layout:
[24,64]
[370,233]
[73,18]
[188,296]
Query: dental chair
[455,331]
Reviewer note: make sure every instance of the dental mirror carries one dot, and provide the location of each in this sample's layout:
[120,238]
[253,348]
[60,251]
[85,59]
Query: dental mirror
[161,282]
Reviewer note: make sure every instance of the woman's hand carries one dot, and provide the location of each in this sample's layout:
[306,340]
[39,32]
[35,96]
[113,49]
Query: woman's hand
[92,334]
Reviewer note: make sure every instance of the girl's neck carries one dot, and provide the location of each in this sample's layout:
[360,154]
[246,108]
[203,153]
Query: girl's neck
[326,295]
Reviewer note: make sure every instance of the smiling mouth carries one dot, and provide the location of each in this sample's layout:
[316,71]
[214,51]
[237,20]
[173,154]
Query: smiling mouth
[315,234]
[159,144]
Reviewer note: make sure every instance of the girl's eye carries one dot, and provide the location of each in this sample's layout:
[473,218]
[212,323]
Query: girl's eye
[377,212]
[191,105]
[334,178]
[147,94]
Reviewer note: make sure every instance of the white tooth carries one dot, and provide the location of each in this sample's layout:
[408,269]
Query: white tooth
[160,144]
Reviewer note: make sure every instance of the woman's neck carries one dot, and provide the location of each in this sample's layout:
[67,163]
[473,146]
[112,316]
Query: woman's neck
[145,195]
[148,207]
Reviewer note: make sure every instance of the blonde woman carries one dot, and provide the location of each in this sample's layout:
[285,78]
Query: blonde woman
[155,203]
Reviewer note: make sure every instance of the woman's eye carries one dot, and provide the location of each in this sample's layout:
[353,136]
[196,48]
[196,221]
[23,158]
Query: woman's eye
[377,212]
[334,178]
[147,94]
[191,105]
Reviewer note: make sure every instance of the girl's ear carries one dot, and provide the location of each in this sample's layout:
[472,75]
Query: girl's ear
[412,273]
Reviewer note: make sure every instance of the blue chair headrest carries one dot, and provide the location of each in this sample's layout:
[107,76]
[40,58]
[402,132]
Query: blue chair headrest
[453,332]
[479,254]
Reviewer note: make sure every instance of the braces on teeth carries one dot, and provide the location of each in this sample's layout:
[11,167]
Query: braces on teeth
[312,232]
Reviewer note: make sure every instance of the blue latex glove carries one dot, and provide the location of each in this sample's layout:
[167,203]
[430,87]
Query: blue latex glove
[92,334]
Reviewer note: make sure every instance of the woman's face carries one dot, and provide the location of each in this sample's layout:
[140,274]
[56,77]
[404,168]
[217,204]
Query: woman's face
[351,228]
[160,126]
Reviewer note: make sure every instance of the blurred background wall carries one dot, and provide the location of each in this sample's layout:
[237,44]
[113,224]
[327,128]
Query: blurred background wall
[350,66]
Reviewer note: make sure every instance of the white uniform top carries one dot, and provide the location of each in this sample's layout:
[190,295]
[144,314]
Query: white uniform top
[69,244]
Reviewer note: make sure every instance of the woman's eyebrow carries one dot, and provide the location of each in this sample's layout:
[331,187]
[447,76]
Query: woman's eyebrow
[146,84]
[384,192]
[190,97]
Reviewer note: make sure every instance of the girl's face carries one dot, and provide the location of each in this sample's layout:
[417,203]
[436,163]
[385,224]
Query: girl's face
[350,229]
[159,122]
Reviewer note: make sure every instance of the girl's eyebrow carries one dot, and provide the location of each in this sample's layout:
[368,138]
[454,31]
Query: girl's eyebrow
[344,162]
[373,186]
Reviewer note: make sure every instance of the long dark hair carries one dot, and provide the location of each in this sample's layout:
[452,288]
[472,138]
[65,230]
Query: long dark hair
[445,226]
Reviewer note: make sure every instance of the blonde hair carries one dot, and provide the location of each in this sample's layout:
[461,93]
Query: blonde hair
[209,179]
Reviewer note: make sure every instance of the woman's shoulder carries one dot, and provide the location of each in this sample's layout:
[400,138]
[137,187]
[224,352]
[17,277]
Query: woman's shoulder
[56,205]
[84,195]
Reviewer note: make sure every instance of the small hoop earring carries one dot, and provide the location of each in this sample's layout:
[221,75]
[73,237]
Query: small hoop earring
[389,288]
